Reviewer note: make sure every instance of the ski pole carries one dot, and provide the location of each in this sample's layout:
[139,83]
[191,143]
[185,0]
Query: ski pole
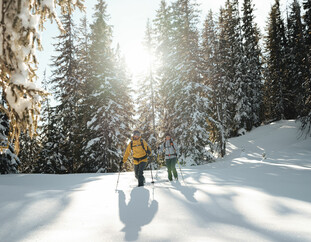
[158,168]
[118,179]
[159,164]
[151,172]
[181,172]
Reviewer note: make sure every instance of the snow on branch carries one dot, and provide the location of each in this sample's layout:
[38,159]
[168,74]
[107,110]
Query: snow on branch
[21,21]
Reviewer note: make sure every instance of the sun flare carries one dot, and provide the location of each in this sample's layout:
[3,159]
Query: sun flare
[137,60]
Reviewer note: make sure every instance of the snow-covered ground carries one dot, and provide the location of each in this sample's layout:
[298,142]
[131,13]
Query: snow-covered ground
[259,192]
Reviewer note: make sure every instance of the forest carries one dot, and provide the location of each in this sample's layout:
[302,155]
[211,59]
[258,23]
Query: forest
[206,84]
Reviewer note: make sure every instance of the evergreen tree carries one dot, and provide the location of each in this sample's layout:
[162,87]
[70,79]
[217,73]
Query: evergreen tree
[146,99]
[209,49]
[163,25]
[306,112]
[253,75]
[108,98]
[29,154]
[307,22]
[187,93]
[298,72]
[275,74]
[231,71]
[237,101]
[51,159]
[9,161]
[123,122]
[68,88]
[210,71]
[84,74]
[224,88]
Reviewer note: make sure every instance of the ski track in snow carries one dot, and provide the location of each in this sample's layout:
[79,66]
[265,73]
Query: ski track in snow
[259,192]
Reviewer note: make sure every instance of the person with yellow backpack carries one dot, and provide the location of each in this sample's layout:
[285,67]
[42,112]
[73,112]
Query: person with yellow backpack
[141,150]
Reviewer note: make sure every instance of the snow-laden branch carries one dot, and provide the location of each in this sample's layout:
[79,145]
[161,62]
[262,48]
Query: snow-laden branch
[21,21]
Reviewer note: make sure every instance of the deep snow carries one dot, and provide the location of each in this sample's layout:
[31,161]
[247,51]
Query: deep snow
[259,192]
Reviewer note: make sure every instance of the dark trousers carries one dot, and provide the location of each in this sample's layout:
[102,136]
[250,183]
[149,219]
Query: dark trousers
[139,173]
[170,164]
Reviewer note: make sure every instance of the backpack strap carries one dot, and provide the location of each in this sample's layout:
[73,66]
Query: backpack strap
[172,144]
[142,144]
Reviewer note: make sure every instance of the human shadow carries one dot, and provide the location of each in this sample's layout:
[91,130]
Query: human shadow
[187,191]
[137,213]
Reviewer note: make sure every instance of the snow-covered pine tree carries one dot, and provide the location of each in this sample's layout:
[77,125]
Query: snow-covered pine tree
[229,71]
[30,148]
[237,103]
[29,153]
[253,67]
[49,157]
[68,89]
[82,50]
[51,160]
[84,74]
[306,112]
[298,71]
[275,72]
[209,46]
[307,23]
[9,161]
[224,88]
[164,71]
[187,93]
[210,70]
[98,89]
[146,100]
[106,101]
[19,37]
[124,120]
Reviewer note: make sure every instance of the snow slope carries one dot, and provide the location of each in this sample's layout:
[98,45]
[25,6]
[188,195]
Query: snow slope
[244,197]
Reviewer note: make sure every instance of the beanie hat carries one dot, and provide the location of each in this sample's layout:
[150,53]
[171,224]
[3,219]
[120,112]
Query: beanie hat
[136,133]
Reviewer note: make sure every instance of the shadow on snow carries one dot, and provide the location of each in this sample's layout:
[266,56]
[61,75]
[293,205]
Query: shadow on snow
[137,213]
[28,204]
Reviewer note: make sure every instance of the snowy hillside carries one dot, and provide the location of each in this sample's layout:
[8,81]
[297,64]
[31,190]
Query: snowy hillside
[259,192]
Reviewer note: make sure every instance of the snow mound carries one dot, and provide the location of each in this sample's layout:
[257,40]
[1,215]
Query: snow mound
[280,143]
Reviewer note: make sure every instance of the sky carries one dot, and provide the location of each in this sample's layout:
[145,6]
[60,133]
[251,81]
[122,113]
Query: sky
[129,19]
